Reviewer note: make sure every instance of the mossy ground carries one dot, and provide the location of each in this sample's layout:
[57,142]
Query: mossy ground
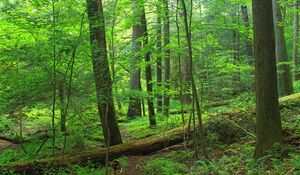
[226,156]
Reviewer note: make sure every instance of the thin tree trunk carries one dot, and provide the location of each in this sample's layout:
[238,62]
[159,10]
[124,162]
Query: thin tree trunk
[180,73]
[187,98]
[194,89]
[166,29]
[61,96]
[54,77]
[284,75]
[249,50]
[186,77]
[135,106]
[151,111]
[102,73]
[236,56]
[159,59]
[112,42]
[269,130]
[296,39]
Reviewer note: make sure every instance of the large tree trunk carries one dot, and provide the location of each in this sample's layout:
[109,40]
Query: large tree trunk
[134,108]
[151,111]
[167,64]
[269,130]
[102,75]
[159,59]
[296,38]
[249,50]
[284,75]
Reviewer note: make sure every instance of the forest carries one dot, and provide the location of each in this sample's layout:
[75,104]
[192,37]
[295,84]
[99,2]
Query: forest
[149,87]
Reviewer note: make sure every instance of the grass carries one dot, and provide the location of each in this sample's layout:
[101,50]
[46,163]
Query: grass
[85,133]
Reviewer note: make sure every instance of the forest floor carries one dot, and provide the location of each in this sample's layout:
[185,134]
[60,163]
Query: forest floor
[230,148]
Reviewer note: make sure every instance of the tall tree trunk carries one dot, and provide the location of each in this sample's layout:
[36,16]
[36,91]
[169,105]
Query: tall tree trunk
[237,86]
[269,130]
[151,111]
[61,96]
[284,75]
[186,74]
[186,77]
[249,50]
[194,89]
[159,59]
[296,39]
[54,83]
[236,60]
[102,75]
[134,108]
[166,29]
[180,72]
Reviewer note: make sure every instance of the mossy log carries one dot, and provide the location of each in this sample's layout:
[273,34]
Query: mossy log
[140,147]
[210,105]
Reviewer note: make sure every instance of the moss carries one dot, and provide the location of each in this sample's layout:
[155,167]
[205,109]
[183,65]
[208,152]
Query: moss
[161,166]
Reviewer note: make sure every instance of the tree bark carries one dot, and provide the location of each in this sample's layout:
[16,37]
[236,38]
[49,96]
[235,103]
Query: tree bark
[268,121]
[186,77]
[134,108]
[237,85]
[249,50]
[61,96]
[296,75]
[159,59]
[284,75]
[166,29]
[151,111]
[102,75]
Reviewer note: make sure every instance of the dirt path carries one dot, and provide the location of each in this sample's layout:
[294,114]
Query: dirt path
[135,165]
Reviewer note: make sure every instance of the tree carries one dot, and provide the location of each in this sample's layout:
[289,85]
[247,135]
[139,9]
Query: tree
[269,130]
[159,59]
[249,50]
[284,75]
[194,89]
[296,39]
[151,111]
[102,74]
[167,66]
[61,96]
[134,108]
[186,73]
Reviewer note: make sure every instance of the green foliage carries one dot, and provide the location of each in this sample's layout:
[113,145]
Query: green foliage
[5,123]
[161,166]
[8,156]
[221,70]
[80,170]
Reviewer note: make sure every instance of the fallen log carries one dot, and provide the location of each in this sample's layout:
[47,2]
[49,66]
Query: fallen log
[218,104]
[290,100]
[210,105]
[10,139]
[140,147]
